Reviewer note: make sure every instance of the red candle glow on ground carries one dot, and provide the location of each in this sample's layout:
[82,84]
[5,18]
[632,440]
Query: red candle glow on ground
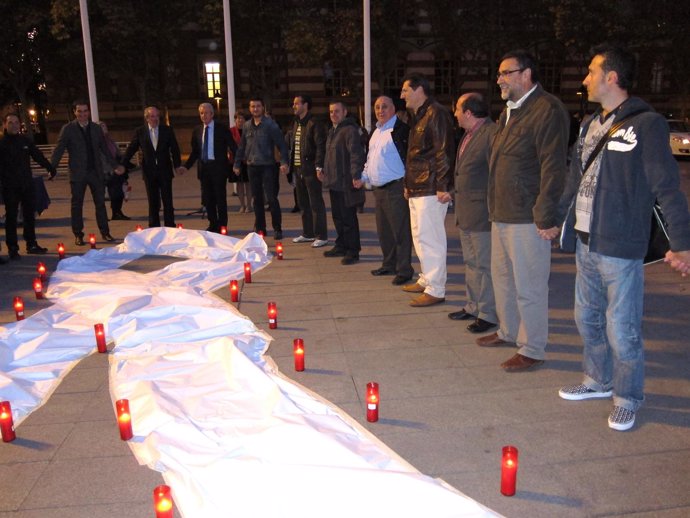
[19,308]
[279,250]
[272,315]
[179,225]
[298,351]
[247,272]
[234,291]
[61,251]
[6,422]
[42,271]
[162,502]
[372,402]
[92,241]
[223,231]
[100,338]
[509,467]
[38,288]
[124,419]
[138,228]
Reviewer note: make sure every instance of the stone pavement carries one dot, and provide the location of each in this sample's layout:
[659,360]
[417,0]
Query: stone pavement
[446,406]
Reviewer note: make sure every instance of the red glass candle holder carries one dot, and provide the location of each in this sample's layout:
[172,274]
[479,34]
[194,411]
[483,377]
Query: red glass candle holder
[138,228]
[163,502]
[18,304]
[223,231]
[509,467]
[179,225]
[247,272]
[234,291]
[61,251]
[279,250]
[298,352]
[42,272]
[38,288]
[100,338]
[372,402]
[272,315]
[261,233]
[92,241]
[124,419]
[6,422]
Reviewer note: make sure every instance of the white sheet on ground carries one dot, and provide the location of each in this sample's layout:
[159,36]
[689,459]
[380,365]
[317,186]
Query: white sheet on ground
[230,434]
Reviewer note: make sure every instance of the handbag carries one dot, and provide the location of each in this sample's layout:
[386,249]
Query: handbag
[659,242]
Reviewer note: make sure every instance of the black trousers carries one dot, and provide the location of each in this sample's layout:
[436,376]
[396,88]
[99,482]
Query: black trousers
[96,185]
[262,179]
[14,195]
[393,228]
[346,224]
[115,192]
[159,188]
[214,196]
[310,201]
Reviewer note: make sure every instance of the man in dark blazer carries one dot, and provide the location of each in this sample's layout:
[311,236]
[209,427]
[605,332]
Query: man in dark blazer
[84,142]
[471,211]
[160,154]
[210,145]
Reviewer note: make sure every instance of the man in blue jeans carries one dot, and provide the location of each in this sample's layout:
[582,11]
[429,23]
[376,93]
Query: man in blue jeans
[260,136]
[611,194]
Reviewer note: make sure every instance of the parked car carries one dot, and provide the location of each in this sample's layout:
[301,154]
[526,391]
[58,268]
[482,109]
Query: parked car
[680,137]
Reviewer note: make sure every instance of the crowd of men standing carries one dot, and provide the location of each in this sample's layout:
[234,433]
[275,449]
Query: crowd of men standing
[509,180]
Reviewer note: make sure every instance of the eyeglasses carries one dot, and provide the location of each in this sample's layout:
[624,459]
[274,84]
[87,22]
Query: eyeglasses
[506,73]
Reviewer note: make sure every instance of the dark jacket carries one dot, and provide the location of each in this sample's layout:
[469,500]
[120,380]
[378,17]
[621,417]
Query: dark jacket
[344,161]
[15,166]
[429,164]
[157,162]
[71,139]
[400,137]
[471,181]
[223,143]
[259,141]
[636,168]
[528,162]
[312,144]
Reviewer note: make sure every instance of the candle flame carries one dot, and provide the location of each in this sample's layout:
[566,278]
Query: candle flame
[125,418]
[4,415]
[164,504]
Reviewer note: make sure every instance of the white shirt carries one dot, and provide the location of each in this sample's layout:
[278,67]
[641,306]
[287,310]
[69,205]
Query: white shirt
[384,164]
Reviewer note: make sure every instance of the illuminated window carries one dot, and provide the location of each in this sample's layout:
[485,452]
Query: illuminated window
[212,78]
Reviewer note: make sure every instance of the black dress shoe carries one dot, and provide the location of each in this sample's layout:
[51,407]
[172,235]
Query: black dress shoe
[382,271]
[399,280]
[79,240]
[108,237]
[334,252]
[294,210]
[480,326]
[277,235]
[14,254]
[34,248]
[120,216]
[460,315]
[349,259]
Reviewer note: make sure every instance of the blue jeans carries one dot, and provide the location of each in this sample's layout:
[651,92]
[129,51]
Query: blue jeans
[609,295]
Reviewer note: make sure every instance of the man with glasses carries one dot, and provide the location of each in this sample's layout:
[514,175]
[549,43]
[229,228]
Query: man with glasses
[527,172]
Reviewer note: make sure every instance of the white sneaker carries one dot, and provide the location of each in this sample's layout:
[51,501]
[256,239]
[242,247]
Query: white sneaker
[318,243]
[302,239]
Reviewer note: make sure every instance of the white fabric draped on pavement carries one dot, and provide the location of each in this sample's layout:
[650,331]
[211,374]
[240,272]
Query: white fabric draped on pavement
[229,433]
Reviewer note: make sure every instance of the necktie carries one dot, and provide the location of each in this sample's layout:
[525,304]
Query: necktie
[154,138]
[204,146]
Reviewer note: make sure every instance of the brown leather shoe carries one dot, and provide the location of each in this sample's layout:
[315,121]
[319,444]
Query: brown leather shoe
[491,340]
[520,363]
[425,300]
[413,288]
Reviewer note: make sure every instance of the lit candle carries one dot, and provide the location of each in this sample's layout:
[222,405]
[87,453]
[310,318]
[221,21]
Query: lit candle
[272,315]
[509,466]
[234,291]
[19,308]
[179,225]
[61,251]
[279,250]
[92,241]
[224,231]
[261,233]
[6,422]
[372,402]
[100,338]
[162,502]
[38,288]
[138,228]
[298,350]
[124,419]
[247,272]
[42,271]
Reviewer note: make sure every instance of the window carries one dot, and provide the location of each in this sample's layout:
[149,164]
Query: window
[393,81]
[657,82]
[443,76]
[212,69]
